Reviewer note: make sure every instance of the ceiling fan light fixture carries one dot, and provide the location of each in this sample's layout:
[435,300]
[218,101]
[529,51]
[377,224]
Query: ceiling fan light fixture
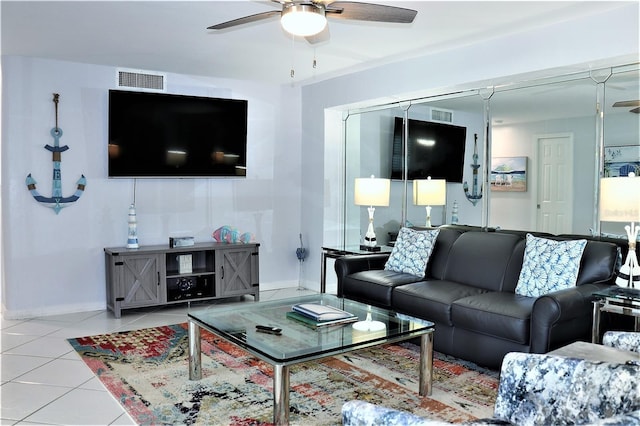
[303,19]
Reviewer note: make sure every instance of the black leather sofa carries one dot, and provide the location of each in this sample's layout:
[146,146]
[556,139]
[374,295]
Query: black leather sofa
[469,293]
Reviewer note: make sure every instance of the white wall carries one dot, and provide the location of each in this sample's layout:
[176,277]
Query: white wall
[577,45]
[55,263]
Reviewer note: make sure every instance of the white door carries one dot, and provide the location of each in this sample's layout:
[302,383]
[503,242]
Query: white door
[555,184]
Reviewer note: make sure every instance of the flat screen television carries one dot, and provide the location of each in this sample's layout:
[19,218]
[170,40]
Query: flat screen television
[434,149]
[166,135]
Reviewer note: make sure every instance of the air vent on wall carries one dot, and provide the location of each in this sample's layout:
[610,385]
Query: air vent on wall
[141,80]
[441,115]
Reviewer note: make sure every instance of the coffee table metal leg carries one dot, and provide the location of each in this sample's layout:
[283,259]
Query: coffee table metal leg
[426,364]
[595,326]
[195,354]
[281,394]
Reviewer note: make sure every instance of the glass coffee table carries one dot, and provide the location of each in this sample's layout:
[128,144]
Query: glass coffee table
[299,343]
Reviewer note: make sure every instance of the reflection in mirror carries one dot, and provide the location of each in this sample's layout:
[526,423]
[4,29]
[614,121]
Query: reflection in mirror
[457,112]
[369,136]
[375,144]
[548,126]
[548,132]
[621,131]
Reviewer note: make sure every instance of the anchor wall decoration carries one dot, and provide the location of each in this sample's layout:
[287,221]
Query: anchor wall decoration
[57,202]
[475,195]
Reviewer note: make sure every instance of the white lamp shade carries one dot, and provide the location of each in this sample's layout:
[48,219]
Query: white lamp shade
[303,19]
[620,199]
[429,192]
[372,191]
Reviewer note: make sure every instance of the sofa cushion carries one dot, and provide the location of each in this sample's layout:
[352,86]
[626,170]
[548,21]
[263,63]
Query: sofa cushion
[411,251]
[438,261]
[549,265]
[375,286]
[499,314]
[480,259]
[431,299]
[599,260]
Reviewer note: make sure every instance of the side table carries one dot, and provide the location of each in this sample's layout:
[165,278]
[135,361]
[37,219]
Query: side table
[619,300]
[334,253]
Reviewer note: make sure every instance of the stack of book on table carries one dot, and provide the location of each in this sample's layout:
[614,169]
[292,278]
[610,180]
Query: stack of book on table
[315,315]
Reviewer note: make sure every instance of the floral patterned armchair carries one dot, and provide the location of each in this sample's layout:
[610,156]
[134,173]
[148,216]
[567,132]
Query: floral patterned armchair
[539,389]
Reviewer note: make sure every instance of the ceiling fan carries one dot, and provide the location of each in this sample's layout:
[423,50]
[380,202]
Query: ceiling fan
[635,103]
[309,18]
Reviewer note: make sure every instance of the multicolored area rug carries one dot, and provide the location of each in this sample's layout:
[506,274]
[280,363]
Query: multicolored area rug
[147,372]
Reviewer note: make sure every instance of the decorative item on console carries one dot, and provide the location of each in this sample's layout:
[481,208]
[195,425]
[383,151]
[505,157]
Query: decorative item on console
[132,237]
[181,242]
[230,234]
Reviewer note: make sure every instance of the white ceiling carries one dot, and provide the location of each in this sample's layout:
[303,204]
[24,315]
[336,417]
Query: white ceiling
[172,36]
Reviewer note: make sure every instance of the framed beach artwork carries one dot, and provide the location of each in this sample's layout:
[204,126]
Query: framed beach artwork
[620,160]
[509,174]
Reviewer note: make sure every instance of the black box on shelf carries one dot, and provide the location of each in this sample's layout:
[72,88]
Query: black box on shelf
[181,241]
[186,288]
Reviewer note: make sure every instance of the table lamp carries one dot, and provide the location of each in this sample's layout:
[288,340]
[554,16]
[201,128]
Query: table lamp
[429,192]
[620,202]
[371,192]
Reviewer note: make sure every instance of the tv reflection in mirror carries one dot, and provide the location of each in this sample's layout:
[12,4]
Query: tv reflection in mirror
[166,135]
[434,149]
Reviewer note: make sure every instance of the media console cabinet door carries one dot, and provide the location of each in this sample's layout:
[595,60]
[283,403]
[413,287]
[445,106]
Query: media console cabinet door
[235,271]
[136,280]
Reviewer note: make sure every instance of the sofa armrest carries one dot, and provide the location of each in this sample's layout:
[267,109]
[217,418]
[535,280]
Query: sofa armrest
[562,316]
[546,389]
[350,264]
[626,340]
[631,418]
[360,413]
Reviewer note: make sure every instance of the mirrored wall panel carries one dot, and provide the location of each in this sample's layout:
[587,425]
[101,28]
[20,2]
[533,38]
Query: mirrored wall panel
[525,156]
[621,154]
[543,157]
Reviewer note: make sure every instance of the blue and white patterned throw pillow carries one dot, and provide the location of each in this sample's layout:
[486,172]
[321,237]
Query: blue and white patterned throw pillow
[411,252]
[549,265]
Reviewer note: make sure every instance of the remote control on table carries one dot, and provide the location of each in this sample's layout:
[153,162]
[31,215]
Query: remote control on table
[268,329]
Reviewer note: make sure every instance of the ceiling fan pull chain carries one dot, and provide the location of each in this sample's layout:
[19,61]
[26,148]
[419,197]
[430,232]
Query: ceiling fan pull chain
[293,51]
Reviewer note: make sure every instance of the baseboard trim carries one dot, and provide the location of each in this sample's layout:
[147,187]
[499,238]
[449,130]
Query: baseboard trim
[53,310]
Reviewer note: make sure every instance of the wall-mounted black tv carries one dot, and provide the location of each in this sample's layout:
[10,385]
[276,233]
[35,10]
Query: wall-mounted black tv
[166,135]
[434,149]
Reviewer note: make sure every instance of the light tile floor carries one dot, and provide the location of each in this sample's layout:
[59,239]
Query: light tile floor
[45,382]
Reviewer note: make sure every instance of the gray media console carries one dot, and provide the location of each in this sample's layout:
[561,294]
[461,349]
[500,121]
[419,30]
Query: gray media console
[160,275]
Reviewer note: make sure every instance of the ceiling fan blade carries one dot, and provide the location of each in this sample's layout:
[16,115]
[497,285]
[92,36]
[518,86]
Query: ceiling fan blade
[245,20]
[370,12]
[635,110]
[627,103]
[320,37]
